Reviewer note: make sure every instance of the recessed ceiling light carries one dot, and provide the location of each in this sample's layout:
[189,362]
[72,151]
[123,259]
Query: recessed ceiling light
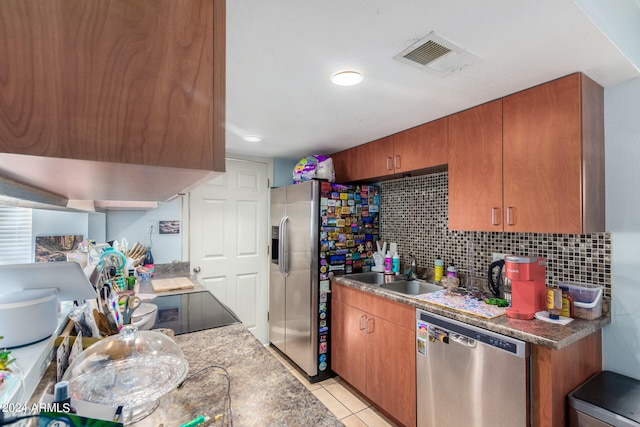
[252,138]
[346,78]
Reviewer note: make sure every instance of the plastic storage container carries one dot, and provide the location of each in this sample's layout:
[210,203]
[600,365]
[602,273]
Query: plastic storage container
[587,299]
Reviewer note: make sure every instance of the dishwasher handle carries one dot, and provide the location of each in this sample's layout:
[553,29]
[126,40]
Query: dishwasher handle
[462,340]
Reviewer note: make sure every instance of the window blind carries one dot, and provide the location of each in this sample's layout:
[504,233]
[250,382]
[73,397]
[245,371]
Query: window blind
[15,235]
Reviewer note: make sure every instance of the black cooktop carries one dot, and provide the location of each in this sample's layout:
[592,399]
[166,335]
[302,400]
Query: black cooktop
[191,312]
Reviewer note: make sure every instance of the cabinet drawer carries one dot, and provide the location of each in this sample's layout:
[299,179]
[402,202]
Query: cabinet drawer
[348,295]
[401,314]
[395,312]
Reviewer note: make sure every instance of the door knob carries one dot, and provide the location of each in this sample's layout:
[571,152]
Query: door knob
[196,270]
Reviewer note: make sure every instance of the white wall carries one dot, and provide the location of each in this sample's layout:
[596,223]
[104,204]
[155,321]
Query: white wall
[134,225]
[115,225]
[283,171]
[621,344]
[58,223]
[98,227]
[618,19]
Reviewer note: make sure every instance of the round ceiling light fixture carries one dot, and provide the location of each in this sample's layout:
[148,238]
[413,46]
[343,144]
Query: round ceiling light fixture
[252,138]
[346,78]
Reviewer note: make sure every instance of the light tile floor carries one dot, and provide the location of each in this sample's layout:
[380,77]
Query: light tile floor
[343,401]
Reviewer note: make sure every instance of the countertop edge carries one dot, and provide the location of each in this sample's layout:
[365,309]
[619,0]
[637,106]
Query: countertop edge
[557,338]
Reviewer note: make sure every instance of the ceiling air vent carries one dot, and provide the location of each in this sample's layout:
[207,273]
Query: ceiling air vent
[436,55]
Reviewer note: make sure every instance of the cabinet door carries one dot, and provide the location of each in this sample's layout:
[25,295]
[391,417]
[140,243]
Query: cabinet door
[366,161]
[421,147]
[543,158]
[115,81]
[348,352]
[475,168]
[391,369]
[342,165]
[375,159]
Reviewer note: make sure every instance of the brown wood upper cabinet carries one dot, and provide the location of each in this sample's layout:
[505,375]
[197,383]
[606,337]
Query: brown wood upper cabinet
[415,149]
[135,82]
[544,173]
[363,162]
[475,168]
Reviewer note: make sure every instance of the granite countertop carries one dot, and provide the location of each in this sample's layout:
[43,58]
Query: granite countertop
[263,392]
[533,331]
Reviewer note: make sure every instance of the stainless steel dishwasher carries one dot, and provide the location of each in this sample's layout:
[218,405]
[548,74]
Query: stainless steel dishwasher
[468,376]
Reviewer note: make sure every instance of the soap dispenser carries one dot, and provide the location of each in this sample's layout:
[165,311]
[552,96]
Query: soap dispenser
[396,263]
[388,262]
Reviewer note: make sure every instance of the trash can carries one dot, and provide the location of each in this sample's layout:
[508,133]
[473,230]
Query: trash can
[606,399]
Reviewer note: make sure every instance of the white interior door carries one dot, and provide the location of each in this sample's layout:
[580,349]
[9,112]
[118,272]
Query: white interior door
[229,230]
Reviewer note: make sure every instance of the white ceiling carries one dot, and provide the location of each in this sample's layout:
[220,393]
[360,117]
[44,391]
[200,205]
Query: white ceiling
[281,53]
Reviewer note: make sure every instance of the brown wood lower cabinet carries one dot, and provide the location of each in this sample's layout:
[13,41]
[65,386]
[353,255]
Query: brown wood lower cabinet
[556,373]
[373,349]
[349,351]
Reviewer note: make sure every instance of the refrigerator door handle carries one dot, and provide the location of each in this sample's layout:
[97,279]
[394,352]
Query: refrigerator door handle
[283,262]
[280,246]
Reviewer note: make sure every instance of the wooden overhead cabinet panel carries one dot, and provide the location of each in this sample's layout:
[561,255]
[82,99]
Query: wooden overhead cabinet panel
[129,82]
[363,162]
[475,168]
[530,162]
[554,157]
[413,150]
[421,147]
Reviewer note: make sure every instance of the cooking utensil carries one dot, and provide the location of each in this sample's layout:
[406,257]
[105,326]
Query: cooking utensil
[103,297]
[494,283]
[137,251]
[127,305]
[103,324]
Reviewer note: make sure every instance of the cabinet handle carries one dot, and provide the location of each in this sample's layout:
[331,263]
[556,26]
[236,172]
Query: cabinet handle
[509,216]
[494,216]
[360,322]
[396,161]
[373,328]
[389,168]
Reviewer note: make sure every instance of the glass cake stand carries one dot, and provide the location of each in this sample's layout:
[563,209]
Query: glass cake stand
[133,369]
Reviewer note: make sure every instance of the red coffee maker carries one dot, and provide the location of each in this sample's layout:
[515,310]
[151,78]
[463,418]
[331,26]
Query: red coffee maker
[528,285]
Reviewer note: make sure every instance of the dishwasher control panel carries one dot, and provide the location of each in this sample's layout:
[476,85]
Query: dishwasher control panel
[500,343]
[453,329]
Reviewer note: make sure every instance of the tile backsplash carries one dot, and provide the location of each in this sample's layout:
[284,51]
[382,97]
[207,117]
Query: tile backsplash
[414,213]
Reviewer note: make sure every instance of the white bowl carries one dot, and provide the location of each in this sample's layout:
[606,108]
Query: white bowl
[146,297]
[145,316]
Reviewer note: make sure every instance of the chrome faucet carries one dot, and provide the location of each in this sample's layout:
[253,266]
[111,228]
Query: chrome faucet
[413,266]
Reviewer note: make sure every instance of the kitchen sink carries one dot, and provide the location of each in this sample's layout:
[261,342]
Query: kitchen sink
[407,287]
[412,287]
[371,278]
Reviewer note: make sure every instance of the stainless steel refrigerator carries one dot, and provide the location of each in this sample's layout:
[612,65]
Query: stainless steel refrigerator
[317,228]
